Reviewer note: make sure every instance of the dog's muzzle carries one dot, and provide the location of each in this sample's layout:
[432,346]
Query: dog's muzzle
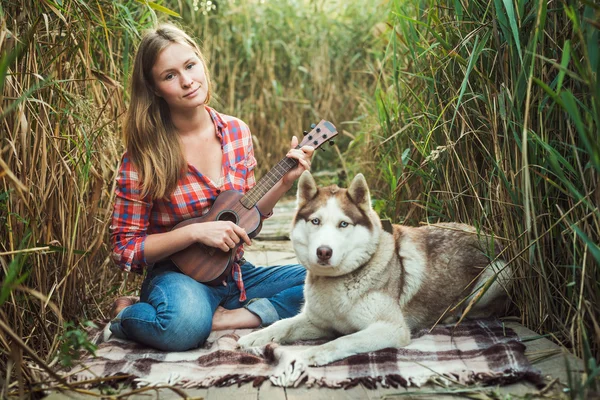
[324,254]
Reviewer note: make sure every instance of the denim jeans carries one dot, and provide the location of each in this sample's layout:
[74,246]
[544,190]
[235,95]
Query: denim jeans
[175,311]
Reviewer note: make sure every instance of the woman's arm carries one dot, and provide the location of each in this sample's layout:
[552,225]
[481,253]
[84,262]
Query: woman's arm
[133,248]
[221,234]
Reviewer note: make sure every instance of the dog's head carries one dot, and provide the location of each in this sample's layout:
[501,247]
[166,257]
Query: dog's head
[335,230]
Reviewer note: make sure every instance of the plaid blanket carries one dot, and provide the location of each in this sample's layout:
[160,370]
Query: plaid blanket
[481,351]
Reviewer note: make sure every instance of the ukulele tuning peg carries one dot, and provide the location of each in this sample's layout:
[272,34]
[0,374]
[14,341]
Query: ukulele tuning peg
[331,143]
[305,133]
[312,126]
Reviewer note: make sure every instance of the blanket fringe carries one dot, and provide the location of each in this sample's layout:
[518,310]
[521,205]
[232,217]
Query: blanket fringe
[511,376]
[396,380]
[259,380]
[390,380]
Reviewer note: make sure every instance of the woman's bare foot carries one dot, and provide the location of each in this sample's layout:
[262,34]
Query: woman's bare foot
[122,302]
[234,319]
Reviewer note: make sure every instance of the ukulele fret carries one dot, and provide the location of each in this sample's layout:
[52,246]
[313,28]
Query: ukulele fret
[265,184]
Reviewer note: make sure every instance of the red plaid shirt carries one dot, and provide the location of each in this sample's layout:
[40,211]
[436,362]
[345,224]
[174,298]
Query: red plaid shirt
[135,217]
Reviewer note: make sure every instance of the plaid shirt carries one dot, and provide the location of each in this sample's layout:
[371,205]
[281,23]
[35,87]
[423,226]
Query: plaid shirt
[134,217]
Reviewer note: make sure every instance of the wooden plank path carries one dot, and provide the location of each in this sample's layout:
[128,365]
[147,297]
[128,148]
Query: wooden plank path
[272,247]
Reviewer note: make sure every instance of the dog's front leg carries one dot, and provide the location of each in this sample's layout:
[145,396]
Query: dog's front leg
[376,336]
[284,331]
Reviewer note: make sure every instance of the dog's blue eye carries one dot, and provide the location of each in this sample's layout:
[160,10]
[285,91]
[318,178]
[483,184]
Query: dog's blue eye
[343,224]
[315,221]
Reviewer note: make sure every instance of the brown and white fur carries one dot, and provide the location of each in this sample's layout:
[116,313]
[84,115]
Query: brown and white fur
[367,288]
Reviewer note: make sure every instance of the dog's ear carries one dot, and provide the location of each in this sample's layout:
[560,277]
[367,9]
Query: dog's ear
[359,193]
[307,188]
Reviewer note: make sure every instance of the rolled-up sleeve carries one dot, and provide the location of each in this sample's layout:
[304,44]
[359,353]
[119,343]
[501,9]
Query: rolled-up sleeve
[129,225]
[249,160]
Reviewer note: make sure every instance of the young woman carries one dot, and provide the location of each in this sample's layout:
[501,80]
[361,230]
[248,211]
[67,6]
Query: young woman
[180,155]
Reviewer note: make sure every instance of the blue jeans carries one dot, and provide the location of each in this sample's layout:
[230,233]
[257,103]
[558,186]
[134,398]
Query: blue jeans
[175,311]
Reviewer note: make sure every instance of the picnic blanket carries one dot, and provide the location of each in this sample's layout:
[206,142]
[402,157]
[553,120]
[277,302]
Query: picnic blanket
[482,351]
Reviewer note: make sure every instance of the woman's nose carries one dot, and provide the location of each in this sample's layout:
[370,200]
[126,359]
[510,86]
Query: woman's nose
[186,81]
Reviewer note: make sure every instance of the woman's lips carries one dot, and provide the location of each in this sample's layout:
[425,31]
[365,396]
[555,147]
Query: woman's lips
[192,92]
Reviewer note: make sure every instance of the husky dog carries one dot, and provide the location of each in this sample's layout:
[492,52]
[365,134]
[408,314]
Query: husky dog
[369,288]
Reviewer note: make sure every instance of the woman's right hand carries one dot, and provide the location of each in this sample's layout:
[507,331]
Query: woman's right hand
[224,235]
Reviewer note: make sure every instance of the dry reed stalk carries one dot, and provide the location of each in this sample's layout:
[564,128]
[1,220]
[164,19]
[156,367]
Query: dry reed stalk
[63,96]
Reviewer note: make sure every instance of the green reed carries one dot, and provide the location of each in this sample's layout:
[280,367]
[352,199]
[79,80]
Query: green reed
[488,113]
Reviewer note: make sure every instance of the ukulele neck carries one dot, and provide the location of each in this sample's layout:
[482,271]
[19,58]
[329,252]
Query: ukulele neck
[265,184]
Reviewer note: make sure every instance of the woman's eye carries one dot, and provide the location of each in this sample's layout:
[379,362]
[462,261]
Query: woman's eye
[168,77]
[343,224]
[315,221]
[190,65]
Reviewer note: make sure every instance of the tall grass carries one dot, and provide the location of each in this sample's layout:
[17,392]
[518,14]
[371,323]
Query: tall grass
[488,112]
[282,65]
[63,69]
[62,97]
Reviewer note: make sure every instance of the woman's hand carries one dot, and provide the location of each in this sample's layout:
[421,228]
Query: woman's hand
[304,156]
[224,235]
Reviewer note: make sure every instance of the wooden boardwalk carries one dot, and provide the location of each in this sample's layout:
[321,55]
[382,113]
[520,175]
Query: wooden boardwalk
[273,247]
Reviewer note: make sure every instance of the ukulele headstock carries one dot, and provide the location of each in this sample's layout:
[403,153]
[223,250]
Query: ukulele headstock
[320,133]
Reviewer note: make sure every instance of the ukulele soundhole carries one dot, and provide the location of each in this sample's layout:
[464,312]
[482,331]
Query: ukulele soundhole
[228,215]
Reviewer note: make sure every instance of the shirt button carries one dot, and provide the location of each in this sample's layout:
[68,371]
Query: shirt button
[218,191]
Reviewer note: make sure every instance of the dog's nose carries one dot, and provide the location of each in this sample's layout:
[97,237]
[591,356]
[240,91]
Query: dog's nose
[324,253]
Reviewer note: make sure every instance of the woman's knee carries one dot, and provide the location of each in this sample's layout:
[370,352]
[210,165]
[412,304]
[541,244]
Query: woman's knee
[184,312]
[178,330]
[185,330]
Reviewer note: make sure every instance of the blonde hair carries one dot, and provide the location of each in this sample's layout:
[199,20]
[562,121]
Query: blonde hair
[149,134]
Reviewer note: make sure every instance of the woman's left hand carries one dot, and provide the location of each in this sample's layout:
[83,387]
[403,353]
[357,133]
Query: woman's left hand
[303,155]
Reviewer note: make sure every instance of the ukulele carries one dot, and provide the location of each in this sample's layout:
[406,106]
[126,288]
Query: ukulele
[211,265]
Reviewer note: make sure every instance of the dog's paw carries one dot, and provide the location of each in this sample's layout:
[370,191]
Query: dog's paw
[252,340]
[260,338]
[314,356]
[292,374]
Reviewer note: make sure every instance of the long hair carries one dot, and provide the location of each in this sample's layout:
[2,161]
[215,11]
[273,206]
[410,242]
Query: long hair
[149,134]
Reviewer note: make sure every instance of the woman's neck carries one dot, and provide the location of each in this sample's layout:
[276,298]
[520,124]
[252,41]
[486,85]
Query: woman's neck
[191,122]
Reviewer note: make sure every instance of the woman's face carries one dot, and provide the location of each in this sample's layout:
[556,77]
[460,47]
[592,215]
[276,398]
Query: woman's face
[179,77]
